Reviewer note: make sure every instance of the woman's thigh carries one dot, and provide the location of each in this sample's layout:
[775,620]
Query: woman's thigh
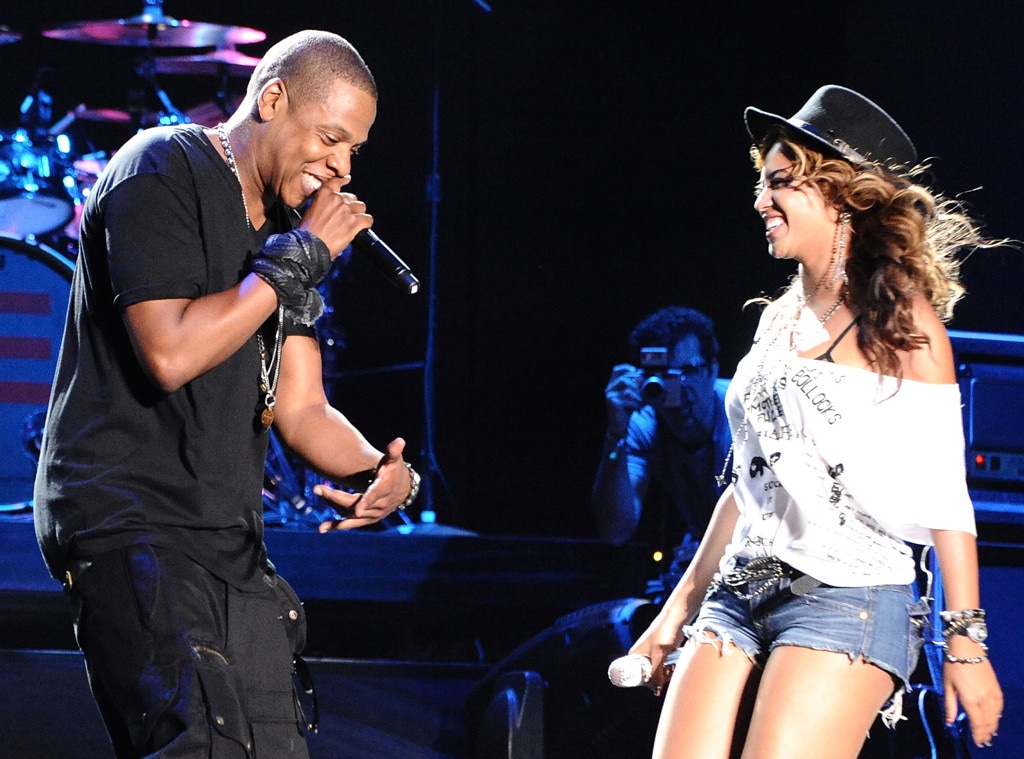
[813,703]
[708,701]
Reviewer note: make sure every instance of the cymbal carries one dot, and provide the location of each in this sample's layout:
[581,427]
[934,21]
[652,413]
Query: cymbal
[102,114]
[155,30]
[8,35]
[226,61]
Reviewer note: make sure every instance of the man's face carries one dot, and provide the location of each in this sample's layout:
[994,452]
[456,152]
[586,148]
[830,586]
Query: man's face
[692,421]
[314,141]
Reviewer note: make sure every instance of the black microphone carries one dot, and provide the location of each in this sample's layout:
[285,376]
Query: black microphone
[386,261]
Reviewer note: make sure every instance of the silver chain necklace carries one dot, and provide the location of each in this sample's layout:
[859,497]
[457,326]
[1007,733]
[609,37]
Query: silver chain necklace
[229,154]
[268,386]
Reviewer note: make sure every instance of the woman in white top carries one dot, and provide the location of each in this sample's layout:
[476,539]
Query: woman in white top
[848,445]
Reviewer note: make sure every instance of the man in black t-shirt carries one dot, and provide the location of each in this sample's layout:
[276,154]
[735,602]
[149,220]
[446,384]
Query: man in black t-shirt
[190,333]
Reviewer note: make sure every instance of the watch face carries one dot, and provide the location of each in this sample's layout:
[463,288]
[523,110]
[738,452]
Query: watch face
[977,631]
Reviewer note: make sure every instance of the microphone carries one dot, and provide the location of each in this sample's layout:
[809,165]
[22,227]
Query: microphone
[386,261]
[635,669]
[629,671]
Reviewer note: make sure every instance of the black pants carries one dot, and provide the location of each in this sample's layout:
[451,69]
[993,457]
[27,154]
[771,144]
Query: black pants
[183,665]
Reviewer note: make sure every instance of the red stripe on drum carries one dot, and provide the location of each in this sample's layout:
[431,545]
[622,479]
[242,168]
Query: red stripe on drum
[26,347]
[37,393]
[24,303]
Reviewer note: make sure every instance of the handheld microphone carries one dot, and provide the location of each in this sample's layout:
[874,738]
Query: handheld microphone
[629,671]
[634,669]
[386,261]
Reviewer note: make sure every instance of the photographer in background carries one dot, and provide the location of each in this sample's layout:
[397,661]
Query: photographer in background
[666,440]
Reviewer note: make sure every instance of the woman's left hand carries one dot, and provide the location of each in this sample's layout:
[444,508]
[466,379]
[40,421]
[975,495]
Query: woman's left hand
[976,688]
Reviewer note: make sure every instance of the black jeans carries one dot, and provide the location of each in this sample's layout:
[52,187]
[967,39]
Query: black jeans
[182,664]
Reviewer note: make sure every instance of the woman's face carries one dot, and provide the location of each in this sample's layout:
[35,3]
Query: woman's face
[799,224]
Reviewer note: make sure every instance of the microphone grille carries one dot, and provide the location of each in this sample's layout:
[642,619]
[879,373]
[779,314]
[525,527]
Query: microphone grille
[629,671]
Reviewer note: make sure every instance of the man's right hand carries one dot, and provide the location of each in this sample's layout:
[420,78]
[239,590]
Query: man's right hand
[334,216]
[622,397]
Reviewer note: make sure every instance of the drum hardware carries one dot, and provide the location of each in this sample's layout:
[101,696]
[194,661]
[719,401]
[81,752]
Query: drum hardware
[34,183]
[224,63]
[169,113]
[288,497]
[87,170]
[89,166]
[212,112]
[36,110]
[32,434]
[152,28]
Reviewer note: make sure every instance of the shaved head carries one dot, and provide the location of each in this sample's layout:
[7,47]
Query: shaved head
[308,62]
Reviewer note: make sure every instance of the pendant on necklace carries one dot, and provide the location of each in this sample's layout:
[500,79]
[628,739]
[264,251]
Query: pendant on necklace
[268,386]
[267,418]
[267,415]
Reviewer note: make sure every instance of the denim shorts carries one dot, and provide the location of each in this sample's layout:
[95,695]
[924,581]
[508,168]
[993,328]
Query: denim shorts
[881,624]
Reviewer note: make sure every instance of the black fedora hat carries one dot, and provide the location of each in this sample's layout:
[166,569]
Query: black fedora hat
[842,123]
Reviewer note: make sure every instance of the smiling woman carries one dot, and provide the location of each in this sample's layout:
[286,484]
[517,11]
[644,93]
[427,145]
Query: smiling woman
[806,570]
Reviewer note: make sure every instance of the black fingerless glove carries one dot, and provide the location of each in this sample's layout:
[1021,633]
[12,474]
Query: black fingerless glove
[294,263]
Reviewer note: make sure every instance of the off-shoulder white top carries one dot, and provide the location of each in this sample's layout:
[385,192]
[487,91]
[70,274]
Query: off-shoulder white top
[836,468]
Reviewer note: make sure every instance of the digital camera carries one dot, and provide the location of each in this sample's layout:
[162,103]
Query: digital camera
[661,386]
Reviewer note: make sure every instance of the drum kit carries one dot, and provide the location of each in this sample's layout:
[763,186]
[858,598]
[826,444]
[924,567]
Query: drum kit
[43,184]
[43,179]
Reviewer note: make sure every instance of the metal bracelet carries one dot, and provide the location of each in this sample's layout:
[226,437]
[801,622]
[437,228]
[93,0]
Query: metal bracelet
[969,660]
[961,615]
[966,660]
[957,622]
[414,490]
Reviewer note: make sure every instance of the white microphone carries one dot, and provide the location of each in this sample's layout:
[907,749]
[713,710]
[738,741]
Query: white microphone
[629,671]
[635,669]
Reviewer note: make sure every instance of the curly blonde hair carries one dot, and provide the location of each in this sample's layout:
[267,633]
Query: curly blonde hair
[906,241]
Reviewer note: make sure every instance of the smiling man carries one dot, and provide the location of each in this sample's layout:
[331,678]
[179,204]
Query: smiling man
[190,334]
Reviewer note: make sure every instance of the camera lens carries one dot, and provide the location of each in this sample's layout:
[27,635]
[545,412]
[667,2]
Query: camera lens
[653,390]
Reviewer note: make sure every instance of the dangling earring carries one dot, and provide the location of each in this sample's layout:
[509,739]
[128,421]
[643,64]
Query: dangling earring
[839,249]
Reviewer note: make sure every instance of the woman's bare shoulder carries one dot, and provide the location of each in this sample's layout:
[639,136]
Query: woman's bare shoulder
[932,362]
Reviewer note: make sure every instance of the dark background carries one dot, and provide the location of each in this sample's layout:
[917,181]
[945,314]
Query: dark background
[593,167]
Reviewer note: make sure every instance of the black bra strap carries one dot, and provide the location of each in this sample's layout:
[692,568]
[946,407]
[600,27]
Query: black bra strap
[827,355]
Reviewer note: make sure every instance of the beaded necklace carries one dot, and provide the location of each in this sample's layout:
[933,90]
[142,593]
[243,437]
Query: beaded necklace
[833,308]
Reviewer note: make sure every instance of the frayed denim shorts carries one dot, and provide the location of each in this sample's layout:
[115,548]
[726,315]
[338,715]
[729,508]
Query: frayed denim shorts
[881,624]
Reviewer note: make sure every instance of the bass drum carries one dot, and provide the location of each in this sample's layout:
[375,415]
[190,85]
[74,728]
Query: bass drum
[35,285]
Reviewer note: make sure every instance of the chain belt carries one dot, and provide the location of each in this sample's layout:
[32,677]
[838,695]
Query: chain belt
[759,574]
